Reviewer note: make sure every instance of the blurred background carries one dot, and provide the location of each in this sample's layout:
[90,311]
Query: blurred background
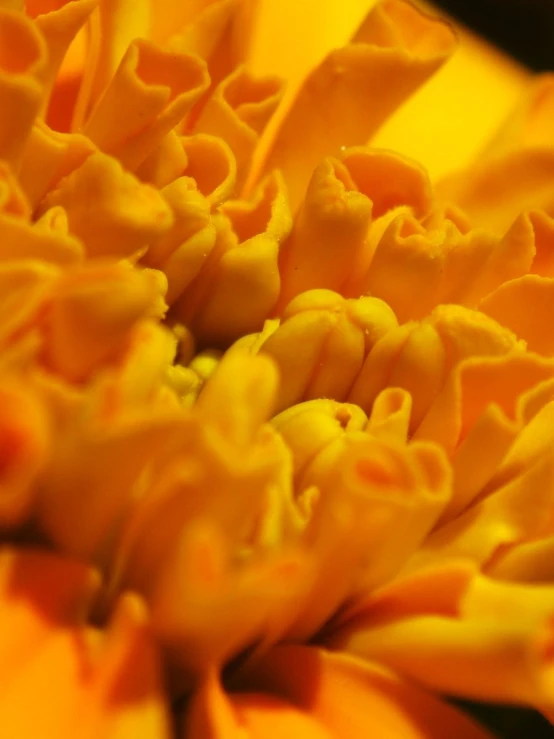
[524,28]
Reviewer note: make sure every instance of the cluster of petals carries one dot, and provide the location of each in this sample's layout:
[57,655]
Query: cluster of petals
[276,404]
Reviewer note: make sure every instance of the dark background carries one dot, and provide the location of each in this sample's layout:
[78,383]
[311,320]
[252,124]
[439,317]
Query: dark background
[524,28]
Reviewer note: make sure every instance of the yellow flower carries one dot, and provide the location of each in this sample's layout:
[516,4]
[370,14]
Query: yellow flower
[276,405]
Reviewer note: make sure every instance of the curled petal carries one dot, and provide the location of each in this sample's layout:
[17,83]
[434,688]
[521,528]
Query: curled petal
[47,240]
[308,427]
[328,234]
[407,267]
[378,502]
[48,157]
[238,285]
[420,357]
[390,415]
[211,165]
[106,468]
[238,111]
[112,28]
[214,715]
[389,180]
[475,384]
[98,686]
[59,23]
[152,91]
[345,100]
[182,251]
[128,673]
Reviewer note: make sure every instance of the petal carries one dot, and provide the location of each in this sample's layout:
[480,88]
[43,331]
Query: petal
[474,659]
[478,77]
[518,303]
[21,91]
[353,698]
[321,344]
[214,715]
[238,111]
[127,216]
[238,285]
[497,191]
[156,89]
[393,52]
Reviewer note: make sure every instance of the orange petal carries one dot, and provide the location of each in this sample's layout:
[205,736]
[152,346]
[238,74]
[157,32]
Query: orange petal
[58,23]
[214,715]
[530,561]
[93,311]
[21,92]
[238,285]
[394,51]
[238,111]
[48,157]
[496,191]
[24,445]
[308,427]
[319,329]
[127,214]
[443,110]
[378,501]
[328,235]
[356,699]
[518,303]
[390,415]
[156,89]
[113,27]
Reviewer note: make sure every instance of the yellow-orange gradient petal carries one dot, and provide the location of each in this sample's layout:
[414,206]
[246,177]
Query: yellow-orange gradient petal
[345,100]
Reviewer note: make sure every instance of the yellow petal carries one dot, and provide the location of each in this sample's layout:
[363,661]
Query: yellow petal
[127,216]
[151,92]
[345,100]
[238,111]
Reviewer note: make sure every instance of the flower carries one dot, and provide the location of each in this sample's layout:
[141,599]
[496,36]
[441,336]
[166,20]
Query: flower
[276,405]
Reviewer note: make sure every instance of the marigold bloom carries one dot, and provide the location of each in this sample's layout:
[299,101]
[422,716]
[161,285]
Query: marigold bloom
[276,402]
